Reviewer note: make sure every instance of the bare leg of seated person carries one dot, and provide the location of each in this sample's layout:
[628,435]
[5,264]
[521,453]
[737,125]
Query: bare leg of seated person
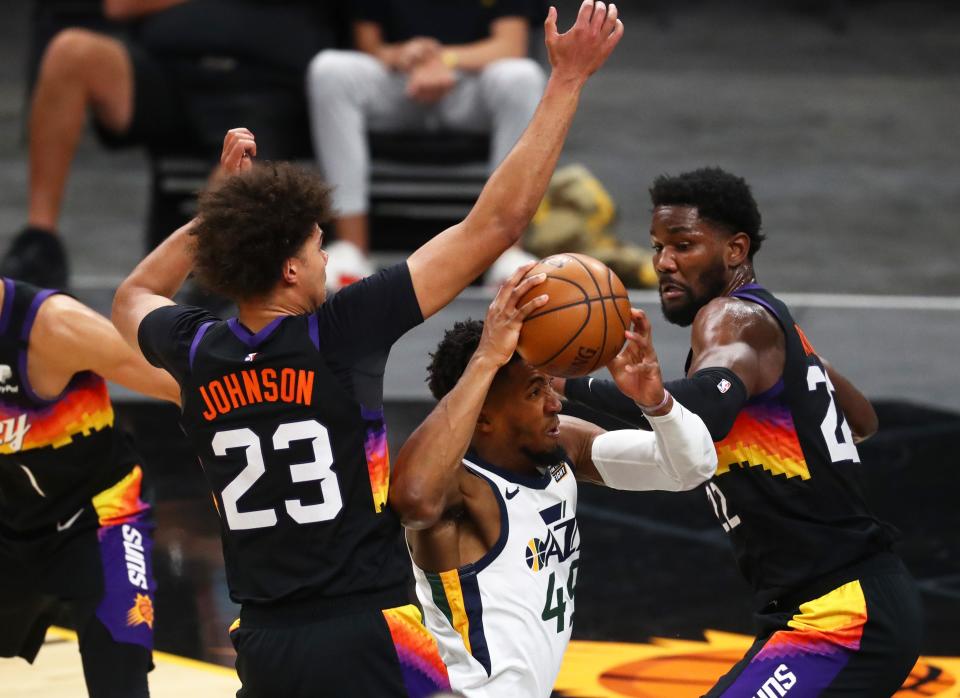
[80,70]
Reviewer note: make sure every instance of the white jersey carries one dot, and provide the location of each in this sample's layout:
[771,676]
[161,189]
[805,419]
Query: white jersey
[503,622]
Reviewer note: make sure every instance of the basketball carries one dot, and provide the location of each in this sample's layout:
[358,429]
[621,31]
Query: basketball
[581,327]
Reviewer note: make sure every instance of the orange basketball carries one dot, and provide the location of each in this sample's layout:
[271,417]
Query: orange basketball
[581,327]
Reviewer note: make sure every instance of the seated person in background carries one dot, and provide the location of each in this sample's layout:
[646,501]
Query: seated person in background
[151,87]
[421,66]
[487,489]
[74,529]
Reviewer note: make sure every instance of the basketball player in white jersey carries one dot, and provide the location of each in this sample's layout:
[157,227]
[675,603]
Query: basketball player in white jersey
[487,490]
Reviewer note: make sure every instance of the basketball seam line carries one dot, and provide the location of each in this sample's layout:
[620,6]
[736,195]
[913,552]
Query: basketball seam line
[576,334]
[603,309]
[586,301]
[616,309]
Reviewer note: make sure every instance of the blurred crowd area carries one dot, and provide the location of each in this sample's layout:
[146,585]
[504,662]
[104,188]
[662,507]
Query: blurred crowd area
[405,107]
[446,88]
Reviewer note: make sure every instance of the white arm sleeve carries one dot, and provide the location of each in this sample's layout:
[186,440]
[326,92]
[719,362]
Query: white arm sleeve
[677,455]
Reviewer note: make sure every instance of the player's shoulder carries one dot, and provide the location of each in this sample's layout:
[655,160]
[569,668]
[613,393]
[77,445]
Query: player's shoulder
[735,319]
[61,315]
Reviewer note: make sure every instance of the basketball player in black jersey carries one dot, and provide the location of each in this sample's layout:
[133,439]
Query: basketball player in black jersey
[839,615]
[283,404]
[75,533]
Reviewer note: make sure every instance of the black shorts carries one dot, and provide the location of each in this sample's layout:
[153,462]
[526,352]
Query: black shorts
[369,654]
[859,640]
[97,562]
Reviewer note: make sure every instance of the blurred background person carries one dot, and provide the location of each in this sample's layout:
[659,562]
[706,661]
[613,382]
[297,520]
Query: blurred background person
[460,65]
[172,76]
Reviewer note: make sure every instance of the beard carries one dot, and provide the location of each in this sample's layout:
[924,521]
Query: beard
[544,458]
[713,281]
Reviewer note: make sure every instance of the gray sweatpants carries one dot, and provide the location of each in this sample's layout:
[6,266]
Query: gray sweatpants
[352,93]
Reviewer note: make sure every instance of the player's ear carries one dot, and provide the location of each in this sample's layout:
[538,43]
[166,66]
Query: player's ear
[290,270]
[738,249]
[484,425]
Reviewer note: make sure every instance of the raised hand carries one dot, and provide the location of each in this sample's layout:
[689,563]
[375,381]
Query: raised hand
[501,329]
[239,149]
[579,52]
[636,368]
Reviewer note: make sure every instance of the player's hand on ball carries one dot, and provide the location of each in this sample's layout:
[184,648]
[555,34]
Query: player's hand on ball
[636,368]
[239,149]
[501,328]
[579,52]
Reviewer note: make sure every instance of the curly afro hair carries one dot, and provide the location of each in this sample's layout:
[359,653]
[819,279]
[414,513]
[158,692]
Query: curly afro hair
[720,197]
[251,223]
[453,354]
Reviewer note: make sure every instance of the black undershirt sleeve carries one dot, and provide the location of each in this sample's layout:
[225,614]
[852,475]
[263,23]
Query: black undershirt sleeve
[714,394]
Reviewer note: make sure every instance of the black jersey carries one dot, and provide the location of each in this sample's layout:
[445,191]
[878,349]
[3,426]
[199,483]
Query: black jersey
[786,488]
[54,454]
[288,425]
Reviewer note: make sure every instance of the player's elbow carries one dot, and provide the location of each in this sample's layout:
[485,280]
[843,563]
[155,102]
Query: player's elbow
[119,310]
[701,469]
[866,428]
[415,507]
[505,226]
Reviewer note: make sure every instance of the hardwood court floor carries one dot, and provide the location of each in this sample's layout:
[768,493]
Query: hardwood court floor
[659,669]
[57,674]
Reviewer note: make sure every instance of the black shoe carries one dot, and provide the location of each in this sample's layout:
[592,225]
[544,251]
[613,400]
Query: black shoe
[37,257]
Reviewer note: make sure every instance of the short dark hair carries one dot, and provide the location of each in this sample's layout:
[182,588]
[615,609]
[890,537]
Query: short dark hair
[453,354]
[720,197]
[252,222]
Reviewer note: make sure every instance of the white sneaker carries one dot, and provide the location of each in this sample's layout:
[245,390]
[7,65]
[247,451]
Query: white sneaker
[346,264]
[506,264]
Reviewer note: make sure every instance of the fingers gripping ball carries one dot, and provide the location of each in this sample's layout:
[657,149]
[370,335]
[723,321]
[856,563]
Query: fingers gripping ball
[581,327]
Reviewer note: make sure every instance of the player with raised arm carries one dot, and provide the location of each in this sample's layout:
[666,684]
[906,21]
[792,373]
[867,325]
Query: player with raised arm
[838,613]
[283,404]
[487,488]
[74,531]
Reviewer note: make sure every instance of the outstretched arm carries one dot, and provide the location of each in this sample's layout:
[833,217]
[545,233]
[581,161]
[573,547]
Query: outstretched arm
[677,455]
[738,351]
[68,337]
[427,465]
[153,283]
[445,265]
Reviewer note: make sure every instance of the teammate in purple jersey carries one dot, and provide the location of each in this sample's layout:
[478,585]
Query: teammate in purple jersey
[75,533]
[837,612]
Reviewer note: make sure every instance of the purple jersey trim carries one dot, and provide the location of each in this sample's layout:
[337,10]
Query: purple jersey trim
[202,330]
[744,293]
[24,350]
[249,338]
[313,327]
[756,299]
[369,414]
[8,290]
[770,393]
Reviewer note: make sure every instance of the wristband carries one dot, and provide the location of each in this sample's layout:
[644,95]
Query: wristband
[647,409]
